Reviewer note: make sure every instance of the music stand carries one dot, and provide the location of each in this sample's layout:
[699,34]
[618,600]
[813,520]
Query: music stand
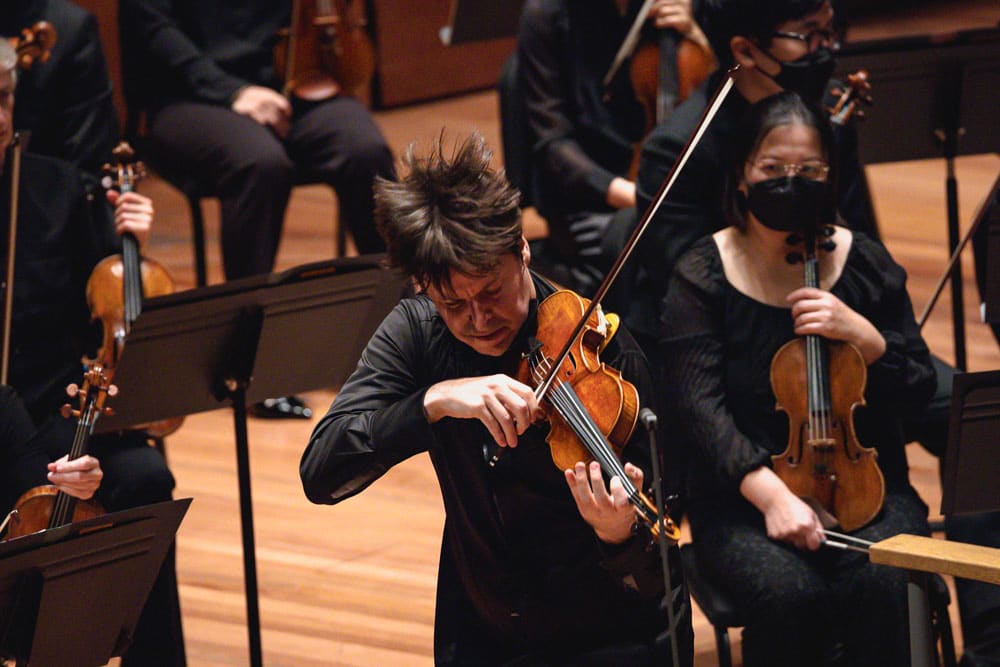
[480,20]
[935,97]
[73,595]
[245,340]
[972,460]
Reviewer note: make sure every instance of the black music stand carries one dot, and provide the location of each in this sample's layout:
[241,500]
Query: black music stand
[480,20]
[935,96]
[245,340]
[972,460]
[73,595]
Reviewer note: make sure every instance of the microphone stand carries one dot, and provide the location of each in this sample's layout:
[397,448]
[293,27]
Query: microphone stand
[648,419]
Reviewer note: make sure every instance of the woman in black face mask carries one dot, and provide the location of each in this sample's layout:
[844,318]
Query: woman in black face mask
[734,300]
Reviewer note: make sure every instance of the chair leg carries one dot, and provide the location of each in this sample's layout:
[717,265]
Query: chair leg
[198,237]
[341,239]
[722,647]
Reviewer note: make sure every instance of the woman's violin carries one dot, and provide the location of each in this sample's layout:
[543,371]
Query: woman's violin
[818,383]
[592,410]
[325,50]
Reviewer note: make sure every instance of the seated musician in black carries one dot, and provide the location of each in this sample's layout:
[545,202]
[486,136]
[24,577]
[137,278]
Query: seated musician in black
[538,565]
[62,232]
[65,107]
[735,299]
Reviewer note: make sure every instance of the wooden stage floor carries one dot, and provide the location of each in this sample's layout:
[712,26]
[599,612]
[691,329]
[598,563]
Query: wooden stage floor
[354,584]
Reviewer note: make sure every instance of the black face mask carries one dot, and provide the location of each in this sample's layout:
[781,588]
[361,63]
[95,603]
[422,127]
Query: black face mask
[787,204]
[808,75]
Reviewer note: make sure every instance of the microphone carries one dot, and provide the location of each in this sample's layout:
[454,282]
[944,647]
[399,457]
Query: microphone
[648,419]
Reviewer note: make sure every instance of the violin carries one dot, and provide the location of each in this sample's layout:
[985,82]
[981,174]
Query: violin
[664,70]
[118,283]
[849,98]
[592,409]
[818,383]
[45,506]
[34,44]
[325,50]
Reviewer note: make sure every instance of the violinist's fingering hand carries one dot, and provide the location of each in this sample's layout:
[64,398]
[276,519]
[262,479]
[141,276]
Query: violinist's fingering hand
[609,511]
[133,213]
[505,406]
[265,106]
[80,477]
[820,313]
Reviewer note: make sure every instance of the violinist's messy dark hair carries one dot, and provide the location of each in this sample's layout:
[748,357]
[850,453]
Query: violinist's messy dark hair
[784,108]
[721,20]
[450,211]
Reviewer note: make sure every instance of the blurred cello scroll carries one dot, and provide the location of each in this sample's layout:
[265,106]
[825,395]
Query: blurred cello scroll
[34,44]
[325,51]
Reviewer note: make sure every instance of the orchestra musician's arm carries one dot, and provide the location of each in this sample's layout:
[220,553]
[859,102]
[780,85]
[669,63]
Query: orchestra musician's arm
[544,83]
[154,24]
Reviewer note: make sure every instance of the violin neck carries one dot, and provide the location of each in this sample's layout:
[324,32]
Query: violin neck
[131,279]
[65,504]
[817,353]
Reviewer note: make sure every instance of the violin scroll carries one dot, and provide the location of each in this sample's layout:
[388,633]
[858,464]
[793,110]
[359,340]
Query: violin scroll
[34,44]
[857,91]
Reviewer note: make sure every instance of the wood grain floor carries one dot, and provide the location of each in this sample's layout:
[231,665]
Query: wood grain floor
[354,584]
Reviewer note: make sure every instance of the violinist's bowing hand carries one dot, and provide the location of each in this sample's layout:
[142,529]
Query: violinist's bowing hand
[79,478]
[821,313]
[133,213]
[505,406]
[265,106]
[786,516]
[608,510]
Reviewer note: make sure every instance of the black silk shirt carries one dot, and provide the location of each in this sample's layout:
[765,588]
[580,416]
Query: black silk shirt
[520,571]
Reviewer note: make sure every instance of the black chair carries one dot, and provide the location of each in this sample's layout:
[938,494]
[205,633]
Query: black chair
[515,135]
[722,614]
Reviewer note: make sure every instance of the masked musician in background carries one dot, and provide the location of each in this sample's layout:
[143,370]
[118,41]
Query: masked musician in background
[735,299]
[538,565]
[63,231]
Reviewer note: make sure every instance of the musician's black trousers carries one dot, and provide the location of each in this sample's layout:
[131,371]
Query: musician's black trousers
[252,171]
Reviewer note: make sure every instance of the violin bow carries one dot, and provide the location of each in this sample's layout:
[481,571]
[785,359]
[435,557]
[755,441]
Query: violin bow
[984,207]
[628,44]
[665,187]
[8,277]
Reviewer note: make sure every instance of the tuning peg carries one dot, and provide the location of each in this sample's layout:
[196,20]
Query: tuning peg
[793,257]
[67,411]
[828,246]
[72,390]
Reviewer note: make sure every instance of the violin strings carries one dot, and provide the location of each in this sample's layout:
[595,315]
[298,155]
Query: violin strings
[571,408]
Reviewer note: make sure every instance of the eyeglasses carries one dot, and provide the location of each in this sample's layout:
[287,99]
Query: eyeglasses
[813,171]
[812,39]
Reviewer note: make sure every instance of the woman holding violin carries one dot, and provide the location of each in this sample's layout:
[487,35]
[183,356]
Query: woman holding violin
[585,133]
[539,563]
[785,271]
[62,233]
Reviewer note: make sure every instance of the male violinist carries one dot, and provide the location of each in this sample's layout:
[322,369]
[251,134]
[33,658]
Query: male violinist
[62,232]
[538,565]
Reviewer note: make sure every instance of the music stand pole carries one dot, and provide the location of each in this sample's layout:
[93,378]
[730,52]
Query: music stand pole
[949,135]
[234,385]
